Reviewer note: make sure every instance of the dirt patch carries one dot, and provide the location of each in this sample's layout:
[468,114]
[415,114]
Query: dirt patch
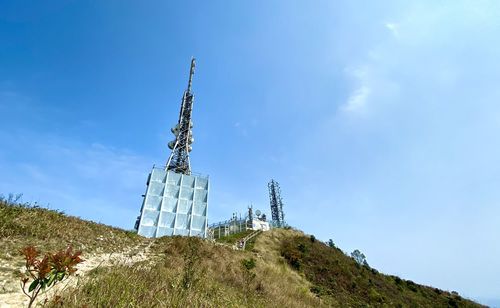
[10,291]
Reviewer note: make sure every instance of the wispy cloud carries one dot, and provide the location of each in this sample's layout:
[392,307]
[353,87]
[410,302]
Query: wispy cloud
[393,28]
[358,99]
[94,181]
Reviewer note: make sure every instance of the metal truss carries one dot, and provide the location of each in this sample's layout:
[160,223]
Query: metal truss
[179,158]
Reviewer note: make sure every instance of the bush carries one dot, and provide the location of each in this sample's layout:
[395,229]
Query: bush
[316,290]
[411,285]
[302,248]
[46,272]
[398,280]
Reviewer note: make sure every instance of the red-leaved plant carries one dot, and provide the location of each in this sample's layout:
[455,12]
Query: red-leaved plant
[47,271]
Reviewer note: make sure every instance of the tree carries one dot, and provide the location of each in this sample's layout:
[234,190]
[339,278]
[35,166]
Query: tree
[359,257]
[331,244]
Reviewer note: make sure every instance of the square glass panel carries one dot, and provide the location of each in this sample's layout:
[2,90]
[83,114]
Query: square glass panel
[198,222]
[202,183]
[174,178]
[156,188]
[153,202]
[200,195]
[169,204]
[172,191]
[182,221]
[199,208]
[158,175]
[149,218]
[188,180]
[186,193]
[184,206]
[167,219]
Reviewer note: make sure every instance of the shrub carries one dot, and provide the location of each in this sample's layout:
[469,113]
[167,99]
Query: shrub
[398,280]
[316,290]
[47,271]
[248,264]
[331,244]
[302,248]
[411,285]
[248,275]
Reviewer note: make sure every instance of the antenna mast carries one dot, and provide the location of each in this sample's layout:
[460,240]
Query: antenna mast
[182,144]
[276,204]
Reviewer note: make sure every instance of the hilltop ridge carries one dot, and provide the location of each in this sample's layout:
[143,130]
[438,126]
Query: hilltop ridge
[284,268]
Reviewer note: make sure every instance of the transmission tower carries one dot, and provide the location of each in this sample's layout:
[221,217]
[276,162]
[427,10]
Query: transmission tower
[276,203]
[178,161]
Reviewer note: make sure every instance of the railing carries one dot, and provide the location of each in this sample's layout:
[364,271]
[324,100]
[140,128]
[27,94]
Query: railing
[241,244]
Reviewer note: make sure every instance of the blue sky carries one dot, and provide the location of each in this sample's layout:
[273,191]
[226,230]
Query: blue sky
[379,120]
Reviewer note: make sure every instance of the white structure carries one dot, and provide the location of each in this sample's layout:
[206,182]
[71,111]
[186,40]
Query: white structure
[174,204]
[258,224]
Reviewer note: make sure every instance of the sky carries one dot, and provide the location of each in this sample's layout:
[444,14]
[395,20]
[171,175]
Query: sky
[380,120]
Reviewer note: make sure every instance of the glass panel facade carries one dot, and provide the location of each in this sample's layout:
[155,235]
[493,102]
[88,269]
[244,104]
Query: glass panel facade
[175,204]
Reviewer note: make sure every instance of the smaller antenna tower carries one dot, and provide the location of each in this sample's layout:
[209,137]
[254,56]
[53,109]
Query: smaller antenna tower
[276,203]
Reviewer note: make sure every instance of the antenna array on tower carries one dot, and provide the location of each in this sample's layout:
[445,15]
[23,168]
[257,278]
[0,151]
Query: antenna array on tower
[182,144]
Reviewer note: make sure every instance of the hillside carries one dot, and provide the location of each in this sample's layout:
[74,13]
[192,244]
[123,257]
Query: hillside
[284,268]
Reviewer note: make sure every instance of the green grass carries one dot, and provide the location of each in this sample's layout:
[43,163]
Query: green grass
[232,238]
[338,279]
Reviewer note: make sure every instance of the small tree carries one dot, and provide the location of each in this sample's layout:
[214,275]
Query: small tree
[47,271]
[359,257]
[331,244]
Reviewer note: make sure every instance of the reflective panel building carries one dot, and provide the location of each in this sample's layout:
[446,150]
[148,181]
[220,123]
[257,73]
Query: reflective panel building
[174,204]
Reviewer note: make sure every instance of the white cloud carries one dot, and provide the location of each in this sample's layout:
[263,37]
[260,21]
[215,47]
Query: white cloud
[357,100]
[393,28]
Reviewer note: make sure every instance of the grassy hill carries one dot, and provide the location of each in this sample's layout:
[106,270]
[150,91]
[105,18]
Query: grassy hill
[284,268]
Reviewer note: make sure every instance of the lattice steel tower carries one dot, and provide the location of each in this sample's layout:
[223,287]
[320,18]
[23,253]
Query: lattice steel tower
[182,144]
[278,217]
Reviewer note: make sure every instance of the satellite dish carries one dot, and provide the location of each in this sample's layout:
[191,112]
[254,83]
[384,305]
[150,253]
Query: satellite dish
[171,145]
[257,213]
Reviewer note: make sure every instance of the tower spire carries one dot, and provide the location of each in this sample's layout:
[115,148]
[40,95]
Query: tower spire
[191,73]
[178,160]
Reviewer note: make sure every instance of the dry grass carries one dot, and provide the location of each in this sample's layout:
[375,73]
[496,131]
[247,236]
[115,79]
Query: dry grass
[190,272]
[21,225]
[216,278]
